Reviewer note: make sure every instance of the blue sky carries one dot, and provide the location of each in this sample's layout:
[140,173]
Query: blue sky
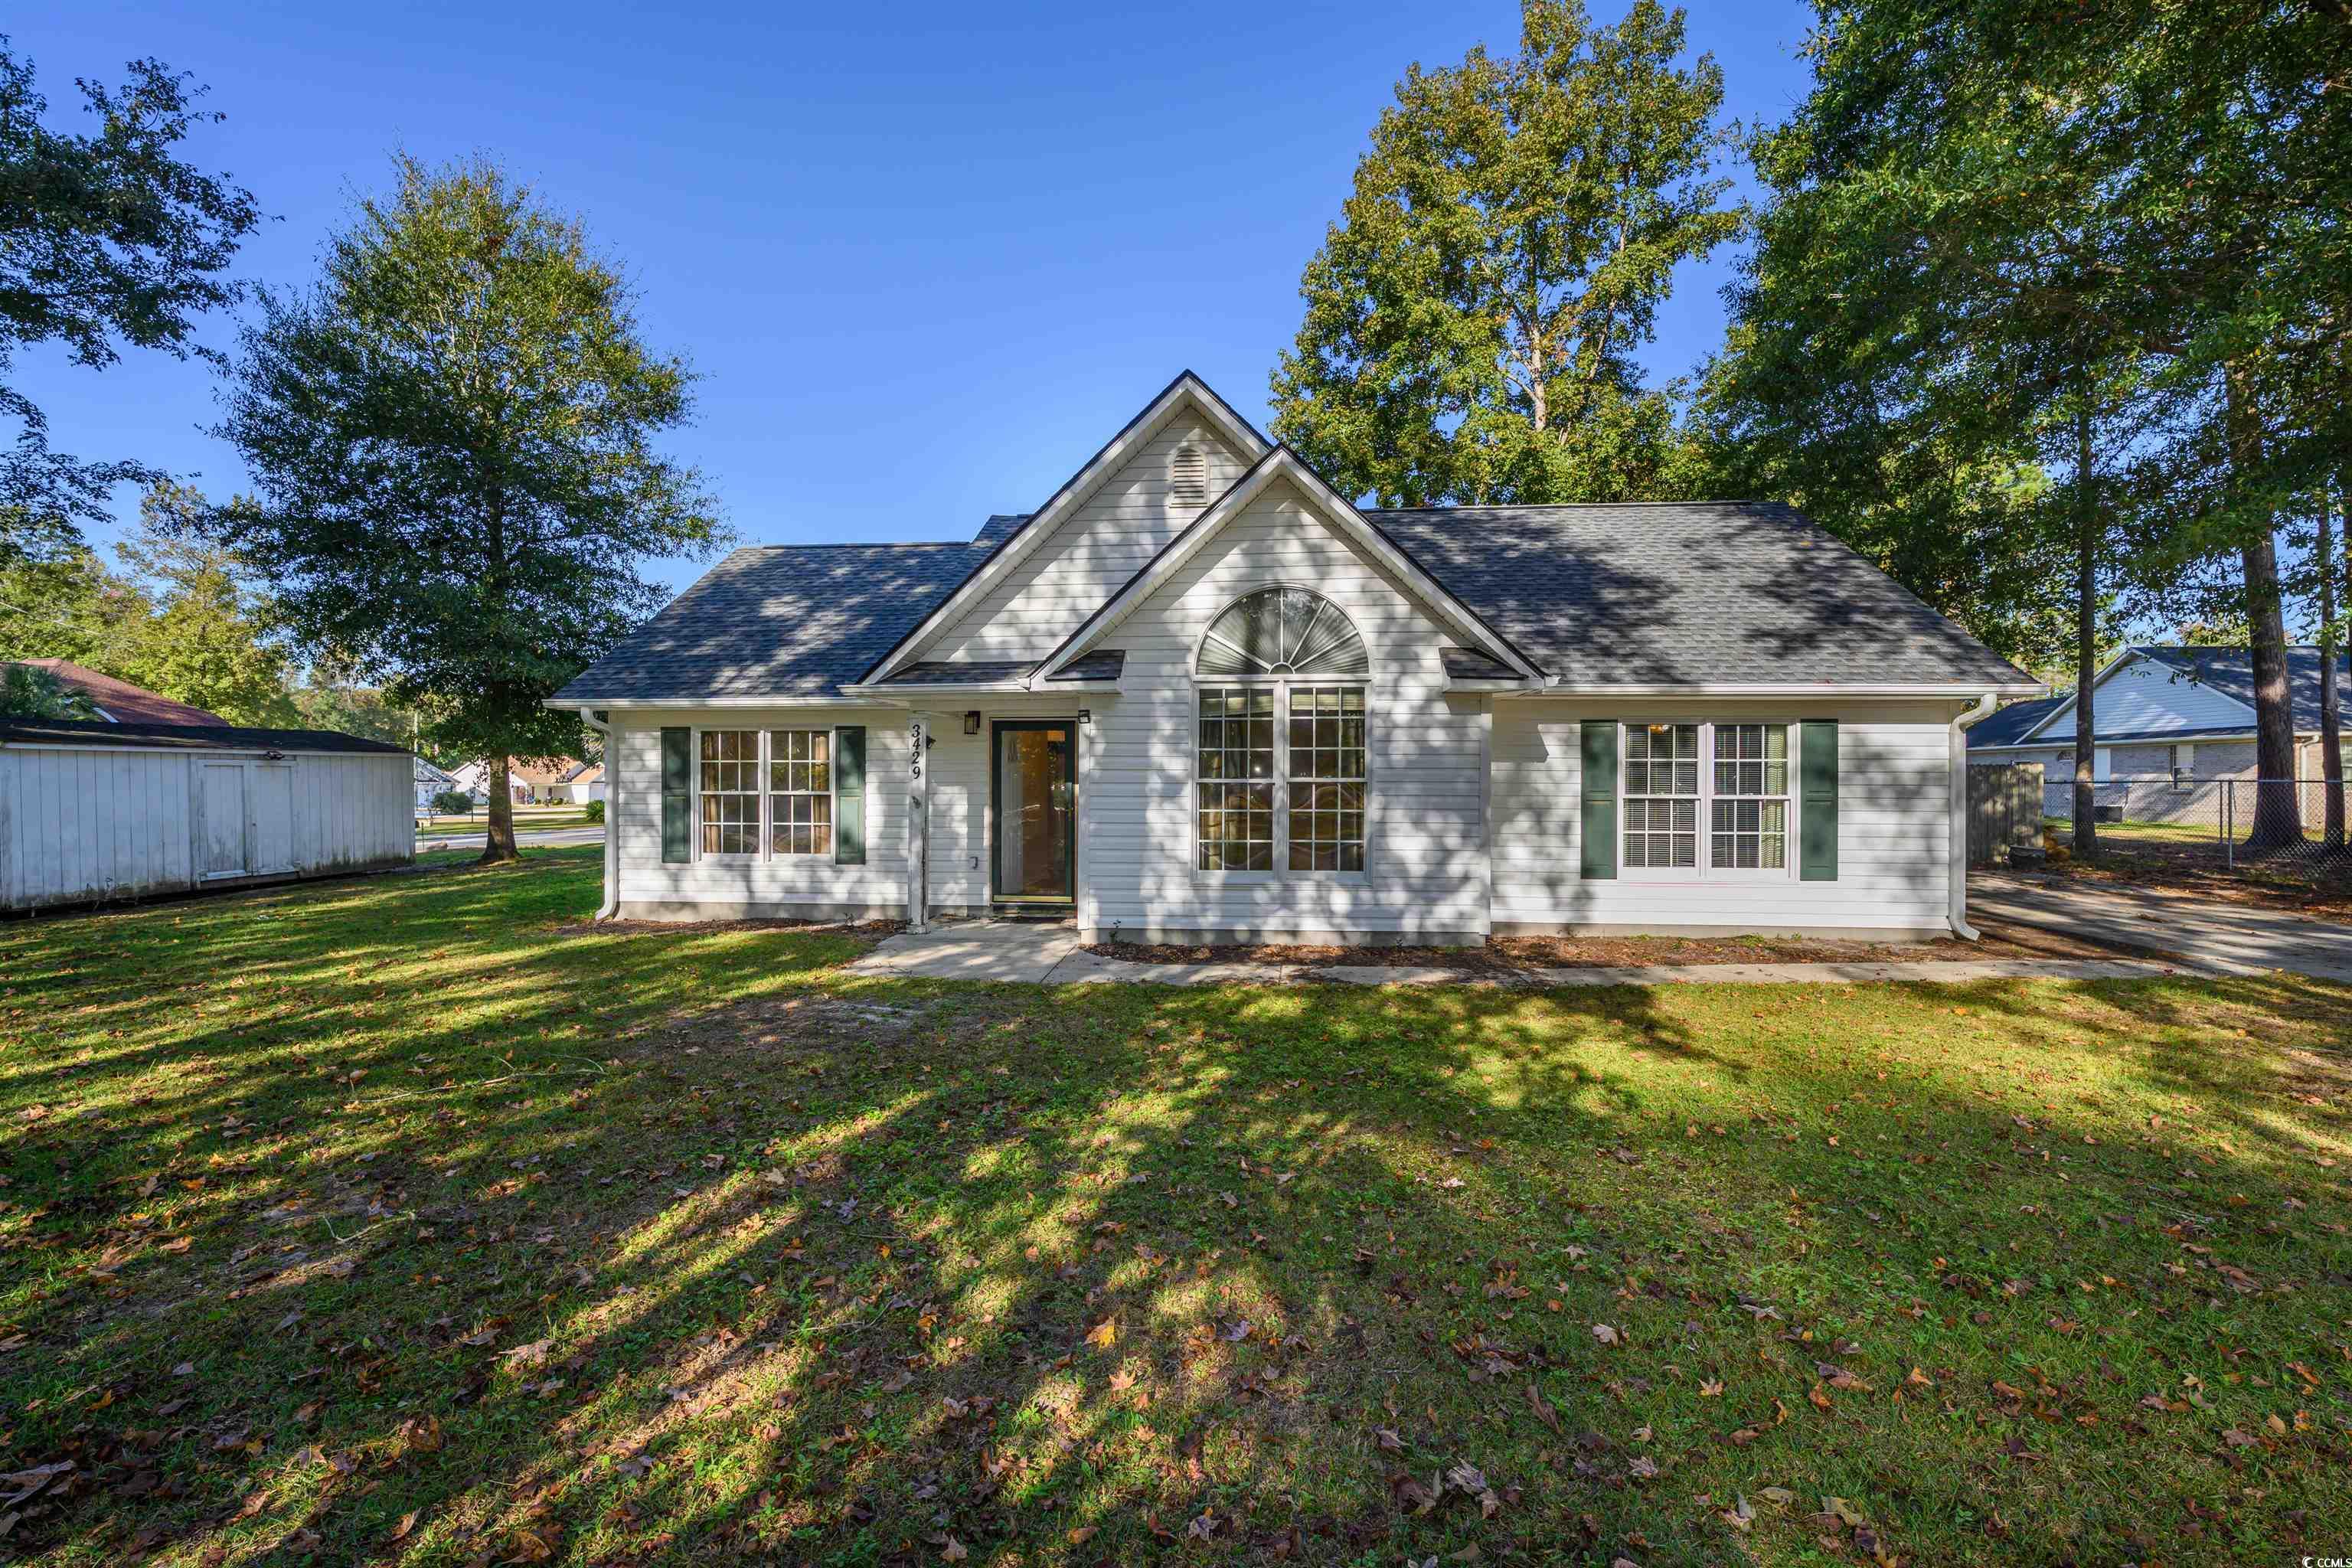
[926,258]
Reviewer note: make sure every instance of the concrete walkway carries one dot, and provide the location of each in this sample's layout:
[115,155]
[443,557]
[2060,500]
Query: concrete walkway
[2234,939]
[1039,953]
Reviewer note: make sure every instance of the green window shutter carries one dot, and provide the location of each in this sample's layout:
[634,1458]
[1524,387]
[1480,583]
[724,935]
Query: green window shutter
[1599,740]
[1817,810]
[678,795]
[849,795]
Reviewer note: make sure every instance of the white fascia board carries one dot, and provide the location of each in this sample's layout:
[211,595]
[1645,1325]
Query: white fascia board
[1284,464]
[1187,390]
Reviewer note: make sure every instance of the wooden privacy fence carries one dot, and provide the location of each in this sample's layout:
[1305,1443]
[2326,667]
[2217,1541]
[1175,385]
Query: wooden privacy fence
[2004,812]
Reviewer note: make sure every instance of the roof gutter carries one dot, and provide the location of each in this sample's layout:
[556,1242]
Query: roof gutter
[1956,788]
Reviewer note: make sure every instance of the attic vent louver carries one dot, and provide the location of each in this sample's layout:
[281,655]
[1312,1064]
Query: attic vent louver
[1188,477]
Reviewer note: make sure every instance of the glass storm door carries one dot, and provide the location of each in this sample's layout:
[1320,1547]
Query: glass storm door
[1036,799]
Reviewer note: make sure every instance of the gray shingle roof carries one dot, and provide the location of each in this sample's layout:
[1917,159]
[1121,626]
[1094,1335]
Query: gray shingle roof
[1000,524]
[777,620]
[1687,593]
[1473,664]
[2008,725]
[974,672]
[1717,591]
[1095,664]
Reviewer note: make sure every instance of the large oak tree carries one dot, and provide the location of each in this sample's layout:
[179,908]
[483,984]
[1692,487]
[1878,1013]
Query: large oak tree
[452,440]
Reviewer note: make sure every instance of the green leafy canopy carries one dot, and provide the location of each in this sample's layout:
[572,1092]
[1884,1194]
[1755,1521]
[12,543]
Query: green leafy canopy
[452,440]
[1473,319]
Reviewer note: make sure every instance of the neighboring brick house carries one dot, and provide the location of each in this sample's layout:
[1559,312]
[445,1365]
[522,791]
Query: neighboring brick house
[2177,717]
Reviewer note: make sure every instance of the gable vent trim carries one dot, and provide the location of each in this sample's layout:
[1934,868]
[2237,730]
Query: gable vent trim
[1188,476]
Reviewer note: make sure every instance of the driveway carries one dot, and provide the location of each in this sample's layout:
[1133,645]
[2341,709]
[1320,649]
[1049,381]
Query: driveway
[2243,939]
[546,839]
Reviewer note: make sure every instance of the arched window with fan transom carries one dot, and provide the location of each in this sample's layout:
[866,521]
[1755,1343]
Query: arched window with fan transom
[1282,775]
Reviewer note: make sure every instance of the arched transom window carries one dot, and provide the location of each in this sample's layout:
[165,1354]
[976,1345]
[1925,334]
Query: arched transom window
[1282,760]
[1282,631]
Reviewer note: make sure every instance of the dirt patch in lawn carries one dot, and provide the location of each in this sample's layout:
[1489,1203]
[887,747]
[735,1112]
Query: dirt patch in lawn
[1518,954]
[2192,868]
[871,929]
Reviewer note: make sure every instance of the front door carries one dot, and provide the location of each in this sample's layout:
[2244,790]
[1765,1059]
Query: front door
[1036,810]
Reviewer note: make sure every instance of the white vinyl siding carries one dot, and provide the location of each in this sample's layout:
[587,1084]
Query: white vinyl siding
[1425,862]
[1893,826]
[2146,697]
[813,880]
[1102,544]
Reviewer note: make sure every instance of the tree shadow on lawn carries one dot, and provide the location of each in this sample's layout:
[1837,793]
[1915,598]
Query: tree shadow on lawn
[898,1270]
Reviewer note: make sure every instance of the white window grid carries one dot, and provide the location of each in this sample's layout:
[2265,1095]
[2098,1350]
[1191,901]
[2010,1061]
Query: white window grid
[1707,799]
[1255,812]
[763,795]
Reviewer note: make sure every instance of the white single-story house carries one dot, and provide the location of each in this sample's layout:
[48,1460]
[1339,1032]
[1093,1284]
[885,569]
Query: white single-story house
[1199,695]
[2181,716]
[431,781]
[94,811]
[531,780]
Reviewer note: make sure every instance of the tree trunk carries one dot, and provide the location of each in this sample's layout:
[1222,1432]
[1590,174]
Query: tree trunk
[2086,640]
[2278,816]
[2331,724]
[498,844]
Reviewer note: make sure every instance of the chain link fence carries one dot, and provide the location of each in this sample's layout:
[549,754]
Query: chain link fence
[2243,821]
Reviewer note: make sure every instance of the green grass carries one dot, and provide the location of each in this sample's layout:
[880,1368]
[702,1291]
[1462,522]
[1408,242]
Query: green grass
[407,1219]
[2162,832]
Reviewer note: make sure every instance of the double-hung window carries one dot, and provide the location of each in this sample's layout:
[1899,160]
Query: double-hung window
[1707,799]
[1281,771]
[765,794]
[730,792]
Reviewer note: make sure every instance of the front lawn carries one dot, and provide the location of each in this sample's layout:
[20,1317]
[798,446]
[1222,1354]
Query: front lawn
[407,1219]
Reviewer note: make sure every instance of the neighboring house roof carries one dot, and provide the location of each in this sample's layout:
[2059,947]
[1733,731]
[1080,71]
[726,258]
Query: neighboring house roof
[2008,725]
[185,737]
[793,620]
[124,702]
[426,773]
[2231,671]
[2226,670]
[541,770]
[589,773]
[1688,593]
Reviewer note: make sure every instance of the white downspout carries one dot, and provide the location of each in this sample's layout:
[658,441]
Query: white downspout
[1958,789]
[612,817]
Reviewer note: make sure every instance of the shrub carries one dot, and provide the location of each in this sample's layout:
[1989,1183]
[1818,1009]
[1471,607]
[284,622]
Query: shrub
[595,810]
[453,803]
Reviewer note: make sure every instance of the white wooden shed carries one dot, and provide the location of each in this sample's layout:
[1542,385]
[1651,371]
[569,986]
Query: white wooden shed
[93,812]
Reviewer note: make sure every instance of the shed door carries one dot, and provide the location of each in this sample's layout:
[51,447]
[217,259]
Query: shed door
[222,799]
[269,800]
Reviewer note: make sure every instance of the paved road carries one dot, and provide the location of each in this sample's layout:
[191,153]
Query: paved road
[2245,939]
[547,838]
